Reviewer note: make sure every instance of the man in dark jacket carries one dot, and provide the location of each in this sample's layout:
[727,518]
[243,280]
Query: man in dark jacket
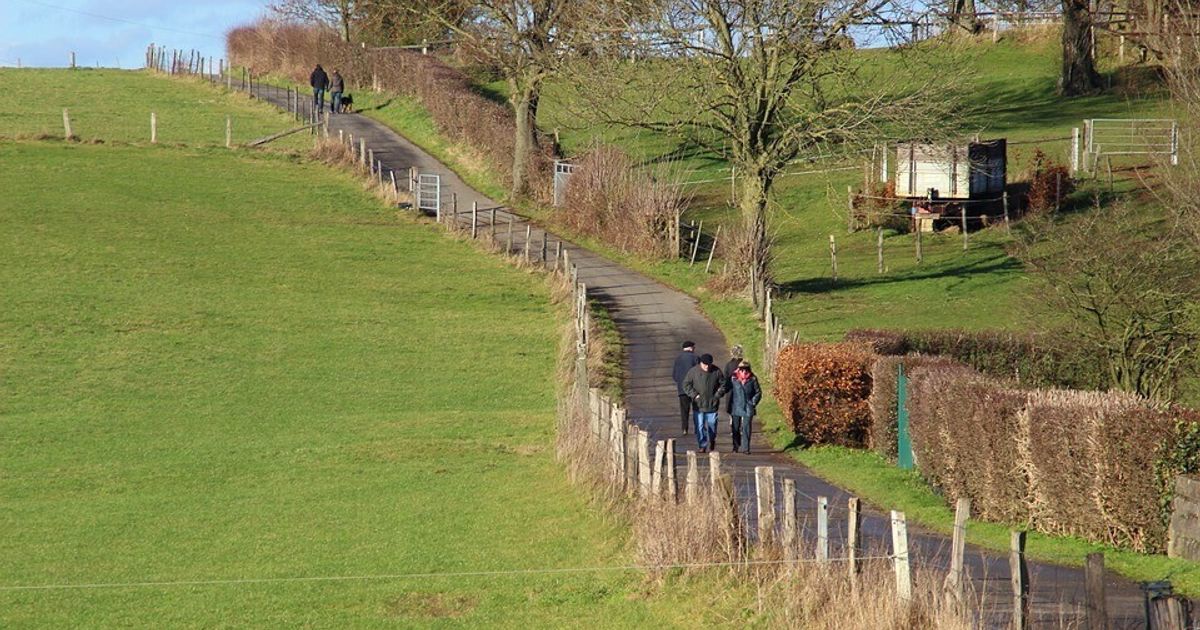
[319,82]
[705,384]
[685,361]
[336,87]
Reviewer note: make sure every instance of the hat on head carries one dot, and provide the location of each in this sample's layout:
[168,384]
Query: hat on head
[743,365]
[706,359]
[736,352]
[689,344]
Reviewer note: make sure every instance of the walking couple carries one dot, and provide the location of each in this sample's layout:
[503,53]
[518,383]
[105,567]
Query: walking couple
[702,387]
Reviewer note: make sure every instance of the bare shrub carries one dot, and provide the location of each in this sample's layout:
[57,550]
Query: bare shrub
[822,390]
[1049,183]
[609,197]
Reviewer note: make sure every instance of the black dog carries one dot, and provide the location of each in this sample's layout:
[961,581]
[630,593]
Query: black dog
[347,104]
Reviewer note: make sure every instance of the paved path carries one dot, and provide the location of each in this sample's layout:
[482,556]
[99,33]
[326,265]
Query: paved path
[653,319]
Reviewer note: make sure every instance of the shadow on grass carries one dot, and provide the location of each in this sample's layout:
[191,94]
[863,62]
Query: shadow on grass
[1012,105]
[999,263]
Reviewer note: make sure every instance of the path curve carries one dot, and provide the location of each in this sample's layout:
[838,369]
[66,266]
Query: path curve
[653,319]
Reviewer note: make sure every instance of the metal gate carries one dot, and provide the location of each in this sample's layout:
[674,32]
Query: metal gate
[1106,137]
[562,174]
[429,194]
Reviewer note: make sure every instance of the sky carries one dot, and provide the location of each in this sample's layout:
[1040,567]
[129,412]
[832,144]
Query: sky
[115,32]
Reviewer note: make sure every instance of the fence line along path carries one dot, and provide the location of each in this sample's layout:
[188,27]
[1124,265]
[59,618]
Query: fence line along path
[653,320]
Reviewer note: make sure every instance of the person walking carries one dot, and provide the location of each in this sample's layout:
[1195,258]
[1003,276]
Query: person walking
[336,87]
[686,360]
[744,395]
[705,384]
[319,82]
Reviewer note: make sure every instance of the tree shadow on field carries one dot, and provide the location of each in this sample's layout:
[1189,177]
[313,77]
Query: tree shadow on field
[1016,104]
[999,263]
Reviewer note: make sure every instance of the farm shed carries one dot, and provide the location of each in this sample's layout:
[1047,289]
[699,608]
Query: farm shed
[969,170]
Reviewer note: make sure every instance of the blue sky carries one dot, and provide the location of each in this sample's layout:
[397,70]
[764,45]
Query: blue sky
[44,32]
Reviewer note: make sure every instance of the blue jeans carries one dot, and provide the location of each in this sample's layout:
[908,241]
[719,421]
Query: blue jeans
[706,429]
[318,99]
[336,105]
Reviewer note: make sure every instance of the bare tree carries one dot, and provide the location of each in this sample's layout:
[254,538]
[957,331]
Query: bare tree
[522,40]
[963,15]
[762,83]
[338,14]
[1079,75]
[1134,298]
[401,22]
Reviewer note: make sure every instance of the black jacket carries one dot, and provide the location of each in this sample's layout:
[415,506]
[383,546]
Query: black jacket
[336,84]
[684,362]
[706,388]
[318,79]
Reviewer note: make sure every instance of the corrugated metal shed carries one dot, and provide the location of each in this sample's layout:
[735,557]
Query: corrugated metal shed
[973,170]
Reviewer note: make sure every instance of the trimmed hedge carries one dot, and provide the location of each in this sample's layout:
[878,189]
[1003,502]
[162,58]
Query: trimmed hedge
[822,389]
[1030,360]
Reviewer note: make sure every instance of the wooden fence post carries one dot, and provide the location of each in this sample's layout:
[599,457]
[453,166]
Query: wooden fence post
[509,246]
[492,221]
[594,411]
[823,529]
[1165,611]
[900,556]
[371,161]
[696,243]
[228,132]
[644,462]
[67,133]
[656,475]
[833,255]
[714,469]
[619,433]
[672,482]
[362,151]
[1004,200]
[712,250]
[692,491]
[474,219]
[1097,609]
[528,238]
[879,250]
[1020,580]
[153,128]
[954,579]
[789,519]
[764,491]
[963,212]
[853,535]
[631,460]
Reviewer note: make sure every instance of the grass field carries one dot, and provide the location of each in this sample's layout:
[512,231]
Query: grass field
[232,366]
[115,106]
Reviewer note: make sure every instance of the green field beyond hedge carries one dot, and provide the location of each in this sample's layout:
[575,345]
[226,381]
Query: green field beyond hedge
[230,366]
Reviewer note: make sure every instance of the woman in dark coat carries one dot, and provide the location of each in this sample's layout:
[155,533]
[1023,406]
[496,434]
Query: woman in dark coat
[744,396]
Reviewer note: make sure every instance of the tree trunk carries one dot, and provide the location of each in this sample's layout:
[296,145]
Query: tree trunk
[753,205]
[1078,69]
[963,15]
[525,140]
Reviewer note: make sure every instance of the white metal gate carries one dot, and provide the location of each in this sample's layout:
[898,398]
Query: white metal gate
[1105,137]
[562,174]
[429,194]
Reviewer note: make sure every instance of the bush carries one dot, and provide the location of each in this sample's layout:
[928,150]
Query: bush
[823,390]
[607,197]
[1049,183]
[880,208]
[884,399]
[1030,360]
[459,111]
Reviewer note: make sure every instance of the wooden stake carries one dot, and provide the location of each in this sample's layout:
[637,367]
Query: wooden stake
[849,210]
[72,59]
[362,151]
[692,490]
[672,483]
[492,221]
[714,469]
[853,535]
[1004,200]
[67,134]
[900,556]
[643,451]
[879,250]
[228,132]
[1097,607]
[713,249]
[918,221]
[153,128]
[474,219]
[963,212]
[789,519]
[954,579]
[696,243]
[764,491]
[528,238]
[833,255]
[510,233]
[656,475]
[1020,580]
[823,529]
